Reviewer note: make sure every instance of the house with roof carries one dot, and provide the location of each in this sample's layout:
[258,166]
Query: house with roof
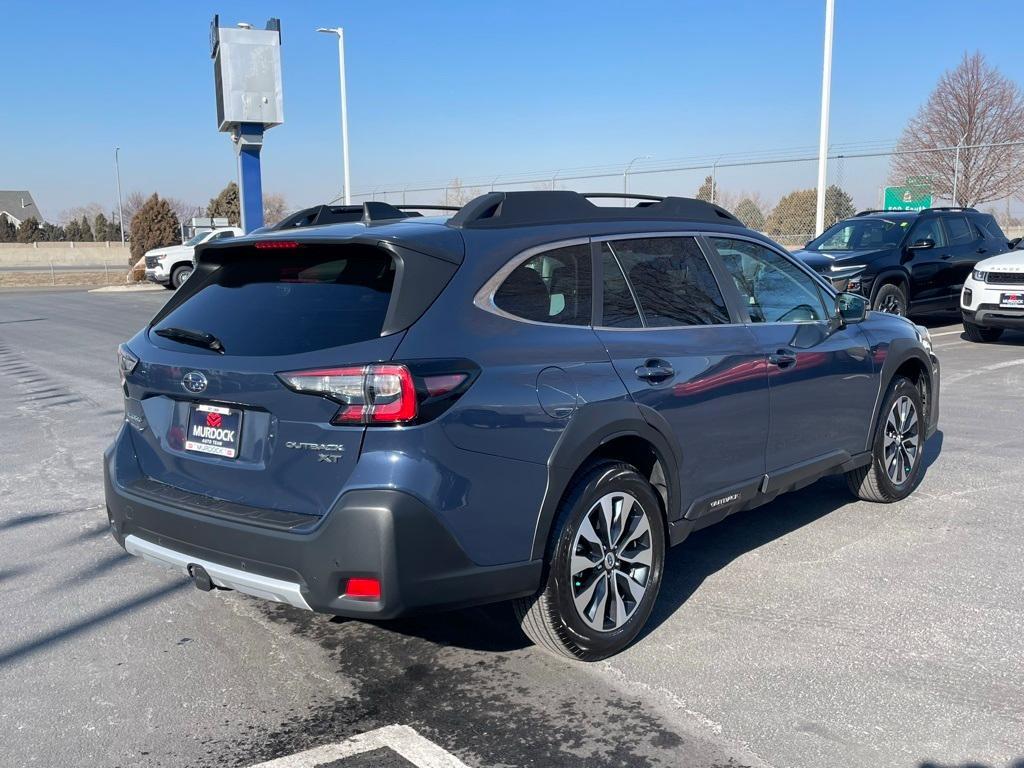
[18,205]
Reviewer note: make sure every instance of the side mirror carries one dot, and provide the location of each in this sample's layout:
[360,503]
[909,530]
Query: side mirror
[1014,243]
[922,244]
[852,307]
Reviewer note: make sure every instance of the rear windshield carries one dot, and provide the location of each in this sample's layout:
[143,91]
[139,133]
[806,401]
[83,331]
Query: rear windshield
[288,302]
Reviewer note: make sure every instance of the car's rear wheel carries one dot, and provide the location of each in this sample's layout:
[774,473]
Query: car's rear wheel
[981,334]
[891,299]
[180,275]
[898,449]
[603,569]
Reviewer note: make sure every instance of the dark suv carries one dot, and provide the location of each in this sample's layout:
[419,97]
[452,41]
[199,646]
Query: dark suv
[529,400]
[906,261]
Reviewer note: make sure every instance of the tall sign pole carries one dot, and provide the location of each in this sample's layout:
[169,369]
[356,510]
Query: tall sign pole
[247,77]
[826,96]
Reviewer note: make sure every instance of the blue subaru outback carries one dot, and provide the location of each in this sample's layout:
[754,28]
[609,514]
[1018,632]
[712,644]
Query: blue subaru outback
[369,412]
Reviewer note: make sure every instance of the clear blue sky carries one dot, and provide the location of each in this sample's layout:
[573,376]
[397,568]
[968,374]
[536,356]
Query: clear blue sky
[468,89]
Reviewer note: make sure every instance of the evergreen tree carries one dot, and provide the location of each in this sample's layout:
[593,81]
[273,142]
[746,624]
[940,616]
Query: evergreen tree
[749,212]
[227,205]
[704,192]
[100,228]
[8,232]
[52,233]
[84,230]
[154,226]
[72,232]
[29,231]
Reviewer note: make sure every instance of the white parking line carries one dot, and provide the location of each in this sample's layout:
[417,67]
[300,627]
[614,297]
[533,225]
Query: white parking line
[402,739]
[947,333]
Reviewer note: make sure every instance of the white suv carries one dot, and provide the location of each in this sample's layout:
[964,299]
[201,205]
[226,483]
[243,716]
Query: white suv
[993,296]
[172,265]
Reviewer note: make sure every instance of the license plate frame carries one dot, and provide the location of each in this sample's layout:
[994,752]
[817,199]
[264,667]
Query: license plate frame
[1014,300]
[218,430]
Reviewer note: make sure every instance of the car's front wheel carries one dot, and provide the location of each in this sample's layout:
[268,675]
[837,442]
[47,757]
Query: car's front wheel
[981,334]
[604,566]
[180,275]
[897,450]
[891,299]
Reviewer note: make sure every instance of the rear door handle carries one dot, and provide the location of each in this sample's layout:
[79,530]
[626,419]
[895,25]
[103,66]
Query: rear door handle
[946,256]
[782,358]
[983,250]
[655,371]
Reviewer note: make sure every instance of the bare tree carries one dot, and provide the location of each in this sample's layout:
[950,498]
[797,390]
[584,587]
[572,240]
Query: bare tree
[90,211]
[274,208]
[458,194]
[972,104]
[183,209]
[133,201]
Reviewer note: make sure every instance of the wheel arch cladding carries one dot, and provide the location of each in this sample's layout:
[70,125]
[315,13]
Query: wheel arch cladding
[891,276]
[614,432]
[908,360]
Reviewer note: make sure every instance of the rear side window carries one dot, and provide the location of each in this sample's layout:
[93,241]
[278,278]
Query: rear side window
[671,281]
[989,227]
[281,304]
[959,230]
[551,287]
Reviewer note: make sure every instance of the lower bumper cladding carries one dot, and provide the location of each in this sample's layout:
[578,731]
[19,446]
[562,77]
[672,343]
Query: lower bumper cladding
[221,575]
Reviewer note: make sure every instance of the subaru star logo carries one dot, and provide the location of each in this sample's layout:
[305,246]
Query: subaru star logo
[194,382]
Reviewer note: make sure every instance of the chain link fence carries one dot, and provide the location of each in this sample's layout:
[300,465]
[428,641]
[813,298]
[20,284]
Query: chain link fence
[775,191]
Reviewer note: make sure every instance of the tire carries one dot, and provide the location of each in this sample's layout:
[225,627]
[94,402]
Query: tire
[980,334]
[609,584]
[893,473]
[179,275]
[891,299]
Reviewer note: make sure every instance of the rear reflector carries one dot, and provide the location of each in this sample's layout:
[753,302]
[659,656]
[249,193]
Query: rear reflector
[442,385]
[363,589]
[275,244]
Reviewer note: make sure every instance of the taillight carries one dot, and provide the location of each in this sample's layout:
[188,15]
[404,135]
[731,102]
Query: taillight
[388,393]
[126,363]
[369,394]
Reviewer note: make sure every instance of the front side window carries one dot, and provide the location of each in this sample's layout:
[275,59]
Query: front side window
[928,229]
[670,280]
[551,287]
[774,289]
[959,231]
[860,234]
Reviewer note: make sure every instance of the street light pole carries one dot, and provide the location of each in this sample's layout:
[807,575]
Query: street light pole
[826,96]
[120,212]
[625,175]
[956,167]
[344,106]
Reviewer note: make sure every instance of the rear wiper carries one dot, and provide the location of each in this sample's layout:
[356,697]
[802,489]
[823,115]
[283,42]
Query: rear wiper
[196,338]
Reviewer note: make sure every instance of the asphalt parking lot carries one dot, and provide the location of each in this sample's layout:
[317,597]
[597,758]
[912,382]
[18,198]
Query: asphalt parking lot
[814,631]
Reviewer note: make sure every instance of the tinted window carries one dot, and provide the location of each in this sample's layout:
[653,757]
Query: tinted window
[858,234]
[551,287]
[928,229]
[989,227]
[620,309]
[773,288]
[272,304]
[671,280]
[959,230]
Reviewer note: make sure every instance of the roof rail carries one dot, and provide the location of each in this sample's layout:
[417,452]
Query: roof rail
[965,209]
[873,210]
[508,209]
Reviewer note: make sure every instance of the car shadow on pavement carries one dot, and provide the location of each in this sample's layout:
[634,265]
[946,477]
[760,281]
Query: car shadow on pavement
[708,551]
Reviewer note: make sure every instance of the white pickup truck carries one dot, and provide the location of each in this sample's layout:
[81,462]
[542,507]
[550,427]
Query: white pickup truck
[171,266]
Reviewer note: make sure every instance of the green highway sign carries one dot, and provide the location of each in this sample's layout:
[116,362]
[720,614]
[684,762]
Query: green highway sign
[908,198]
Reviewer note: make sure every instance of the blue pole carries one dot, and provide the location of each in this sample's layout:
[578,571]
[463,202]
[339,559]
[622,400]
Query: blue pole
[250,183]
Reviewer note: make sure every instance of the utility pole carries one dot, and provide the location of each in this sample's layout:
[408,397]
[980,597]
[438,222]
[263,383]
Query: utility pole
[344,106]
[826,96]
[120,212]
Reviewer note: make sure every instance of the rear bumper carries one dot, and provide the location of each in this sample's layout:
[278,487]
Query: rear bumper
[995,317]
[384,534]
